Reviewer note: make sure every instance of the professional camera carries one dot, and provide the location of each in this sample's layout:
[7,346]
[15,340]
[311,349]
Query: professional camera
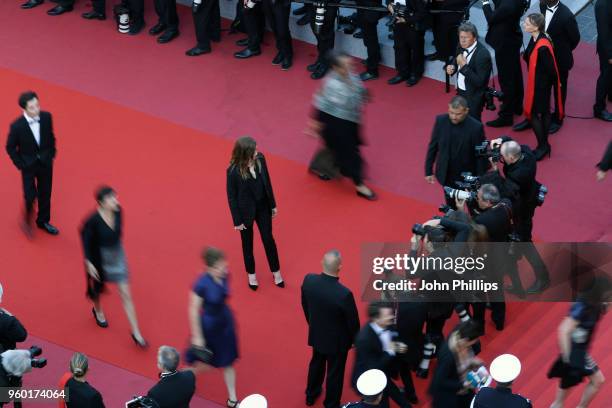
[460,194]
[319,7]
[141,402]
[469,183]
[542,191]
[483,150]
[490,97]
[418,229]
[399,11]
[349,23]
[36,351]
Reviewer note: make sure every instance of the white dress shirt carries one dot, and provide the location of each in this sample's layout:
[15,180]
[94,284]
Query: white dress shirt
[468,56]
[34,126]
[385,338]
[550,12]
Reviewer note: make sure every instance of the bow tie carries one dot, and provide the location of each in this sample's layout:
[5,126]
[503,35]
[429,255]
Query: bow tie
[33,120]
[552,10]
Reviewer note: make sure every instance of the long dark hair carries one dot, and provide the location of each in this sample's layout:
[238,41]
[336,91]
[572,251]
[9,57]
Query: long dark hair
[243,152]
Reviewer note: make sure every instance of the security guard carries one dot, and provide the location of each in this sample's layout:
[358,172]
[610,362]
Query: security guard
[504,370]
[370,385]
[254,401]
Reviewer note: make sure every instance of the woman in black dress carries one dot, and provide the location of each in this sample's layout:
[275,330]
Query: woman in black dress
[80,393]
[105,258]
[251,200]
[542,78]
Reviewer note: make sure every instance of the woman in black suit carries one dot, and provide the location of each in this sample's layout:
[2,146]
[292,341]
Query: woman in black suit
[80,393]
[543,77]
[251,200]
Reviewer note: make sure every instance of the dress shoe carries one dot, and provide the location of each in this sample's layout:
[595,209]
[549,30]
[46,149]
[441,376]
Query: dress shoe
[524,125]
[367,76]
[157,29]
[396,80]
[541,153]
[313,67]
[300,11]
[242,42]
[167,36]
[142,343]
[499,326]
[136,28]
[413,80]
[50,229]
[31,4]
[603,115]
[538,287]
[101,323]
[58,10]
[305,19]
[310,400]
[195,51]
[91,15]
[500,122]
[246,53]
[554,128]
[287,63]
[278,58]
[320,72]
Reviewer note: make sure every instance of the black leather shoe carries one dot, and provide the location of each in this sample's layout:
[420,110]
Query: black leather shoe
[413,80]
[541,153]
[246,53]
[310,400]
[31,4]
[91,15]
[300,11]
[59,10]
[136,28]
[168,36]
[305,19]
[287,63]
[603,115]
[320,72]
[242,42]
[50,229]
[277,59]
[367,76]
[195,51]
[554,128]
[524,125]
[101,323]
[538,287]
[313,67]
[499,326]
[396,80]
[500,122]
[157,29]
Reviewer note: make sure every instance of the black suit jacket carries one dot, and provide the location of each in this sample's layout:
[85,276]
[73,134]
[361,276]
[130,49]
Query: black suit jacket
[565,36]
[606,161]
[21,145]
[331,313]
[174,391]
[463,157]
[240,195]
[523,174]
[504,23]
[497,220]
[450,19]
[11,332]
[446,382]
[603,18]
[477,73]
[370,354]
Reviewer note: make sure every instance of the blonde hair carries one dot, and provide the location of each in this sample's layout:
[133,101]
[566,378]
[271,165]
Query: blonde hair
[79,364]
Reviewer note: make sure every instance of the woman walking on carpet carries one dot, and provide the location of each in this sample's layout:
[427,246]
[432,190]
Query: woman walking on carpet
[213,336]
[105,258]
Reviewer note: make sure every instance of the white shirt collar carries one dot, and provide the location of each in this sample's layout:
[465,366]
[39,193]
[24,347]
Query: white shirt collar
[377,329]
[472,47]
[31,120]
[553,8]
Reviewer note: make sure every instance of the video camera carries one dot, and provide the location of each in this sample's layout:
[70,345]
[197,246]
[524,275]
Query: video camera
[490,97]
[141,402]
[484,150]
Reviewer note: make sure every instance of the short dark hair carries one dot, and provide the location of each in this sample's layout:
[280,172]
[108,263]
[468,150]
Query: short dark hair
[459,102]
[375,307]
[212,255]
[469,330]
[26,97]
[102,192]
[490,193]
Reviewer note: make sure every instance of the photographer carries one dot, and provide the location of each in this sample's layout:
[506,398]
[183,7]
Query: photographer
[368,21]
[408,40]
[325,33]
[14,364]
[520,167]
[11,329]
[473,68]
[174,388]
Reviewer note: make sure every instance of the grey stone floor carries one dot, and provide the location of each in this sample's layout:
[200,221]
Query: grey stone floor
[586,24]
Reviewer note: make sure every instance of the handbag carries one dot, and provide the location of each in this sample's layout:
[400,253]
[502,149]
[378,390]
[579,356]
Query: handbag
[203,355]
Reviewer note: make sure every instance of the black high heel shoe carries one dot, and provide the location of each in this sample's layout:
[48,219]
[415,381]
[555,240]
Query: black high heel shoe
[142,345]
[232,404]
[103,324]
[540,154]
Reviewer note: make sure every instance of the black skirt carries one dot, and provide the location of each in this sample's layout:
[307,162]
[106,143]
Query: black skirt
[343,139]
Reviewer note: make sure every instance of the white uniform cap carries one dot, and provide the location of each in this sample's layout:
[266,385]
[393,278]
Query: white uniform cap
[254,401]
[505,368]
[371,383]
[1,292]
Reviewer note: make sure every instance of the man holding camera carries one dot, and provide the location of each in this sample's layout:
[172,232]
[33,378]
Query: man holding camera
[453,146]
[408,40]
[520,167]
[506,38]
[473,68]
[174,388]
[11,329]
[322,24]
[368,22]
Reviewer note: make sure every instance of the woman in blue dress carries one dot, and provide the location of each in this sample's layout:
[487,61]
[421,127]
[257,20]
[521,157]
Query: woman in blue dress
[212,322]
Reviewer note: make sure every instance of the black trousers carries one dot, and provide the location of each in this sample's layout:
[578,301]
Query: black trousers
[254,23]
[166,11]
[277,13]
[66,3]
[405,372]
[263,218]
[446,36]
[392,392]
[523,226]
[136,8]
[334,365]
[540,123]
[327,35]
[207,23]
[369,24]
[498,312]
[563,76]
[409,46]
[475,104]
[604,84]
[37,183]
[508,62]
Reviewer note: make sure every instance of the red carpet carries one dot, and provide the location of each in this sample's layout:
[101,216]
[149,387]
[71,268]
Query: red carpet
[147,120]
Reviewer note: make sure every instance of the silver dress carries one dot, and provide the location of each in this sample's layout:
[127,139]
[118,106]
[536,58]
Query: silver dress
[114,264]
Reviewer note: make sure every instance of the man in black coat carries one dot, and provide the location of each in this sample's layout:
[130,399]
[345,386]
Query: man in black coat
[473,68]
[333,322]
[506,38]
[11,329]
[603,18]
[452,146]
[368,22]
[174,388]
[31,147]
[445,26]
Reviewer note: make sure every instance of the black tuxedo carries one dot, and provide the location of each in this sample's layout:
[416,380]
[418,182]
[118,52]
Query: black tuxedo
[333,322]
[446,383]
[603,18]
[452,148]
[477,73]
[368,21]
[174,390]
[34,161]
[409,40]
[506,38]
[11,332]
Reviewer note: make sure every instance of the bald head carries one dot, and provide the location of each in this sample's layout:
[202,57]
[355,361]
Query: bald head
[332,260]
[511,151]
